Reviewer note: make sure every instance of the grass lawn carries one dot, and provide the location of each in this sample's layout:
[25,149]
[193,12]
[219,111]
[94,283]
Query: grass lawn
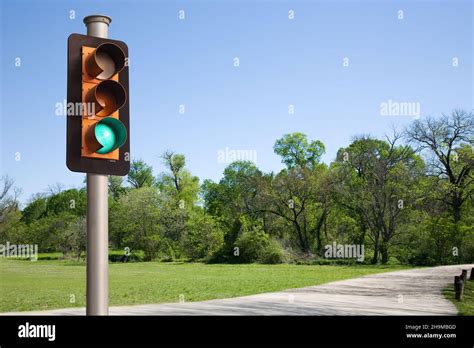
[466,305]
[40,285]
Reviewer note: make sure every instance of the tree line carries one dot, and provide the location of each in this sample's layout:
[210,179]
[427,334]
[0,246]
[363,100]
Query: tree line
[407,198]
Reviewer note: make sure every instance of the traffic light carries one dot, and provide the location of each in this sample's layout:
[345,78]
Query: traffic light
[98,136]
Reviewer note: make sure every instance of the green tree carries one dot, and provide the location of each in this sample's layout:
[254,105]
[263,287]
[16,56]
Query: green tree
[177,181]
[378,181]
[71,201]
[297,196]
[140,174]
[8,204]
[116,188]
[140,212]
[36,209]
[448,142]
[69,233]
[179,196]
[203,235]
[234,197]
[296,151]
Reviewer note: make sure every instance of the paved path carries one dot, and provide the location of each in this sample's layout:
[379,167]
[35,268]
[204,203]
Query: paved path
[410,292]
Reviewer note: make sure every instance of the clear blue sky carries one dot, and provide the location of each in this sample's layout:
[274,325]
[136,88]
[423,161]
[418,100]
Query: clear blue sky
[190,62]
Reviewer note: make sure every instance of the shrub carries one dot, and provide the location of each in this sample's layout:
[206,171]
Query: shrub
[273,253]
[202,236]
[256,246]
[251,245]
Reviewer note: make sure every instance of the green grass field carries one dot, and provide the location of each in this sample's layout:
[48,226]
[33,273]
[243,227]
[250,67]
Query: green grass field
[466,305]
[44,285]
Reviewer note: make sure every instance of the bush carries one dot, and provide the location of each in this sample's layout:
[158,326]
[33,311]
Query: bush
[256,246]
[202,236]
[438,241]
[250,246]
[273,253]
[167,250]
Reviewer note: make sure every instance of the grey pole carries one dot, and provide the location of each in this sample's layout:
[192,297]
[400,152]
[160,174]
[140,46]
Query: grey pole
[97,25]
[97,214]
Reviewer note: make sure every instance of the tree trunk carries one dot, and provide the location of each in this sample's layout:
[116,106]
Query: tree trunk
[384,253]
[376,251]
[456,209]
[318,228]
[303,245]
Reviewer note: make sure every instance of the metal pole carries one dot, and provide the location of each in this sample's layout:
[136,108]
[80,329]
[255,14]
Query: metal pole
[97,25]
[97,214]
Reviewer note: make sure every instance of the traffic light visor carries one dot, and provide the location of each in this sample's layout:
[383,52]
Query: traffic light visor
[108,96]
[107,60]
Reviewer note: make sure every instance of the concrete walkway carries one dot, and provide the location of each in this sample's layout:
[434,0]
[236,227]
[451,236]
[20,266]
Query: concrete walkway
[410,292]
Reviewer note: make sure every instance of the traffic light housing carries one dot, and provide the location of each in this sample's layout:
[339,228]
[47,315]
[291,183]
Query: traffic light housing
[98,127]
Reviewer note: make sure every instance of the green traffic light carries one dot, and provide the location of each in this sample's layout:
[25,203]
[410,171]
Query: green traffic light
[106,137]
[111,134]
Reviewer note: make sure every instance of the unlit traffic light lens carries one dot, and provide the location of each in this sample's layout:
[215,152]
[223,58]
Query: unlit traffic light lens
[107,60]
[108,96]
